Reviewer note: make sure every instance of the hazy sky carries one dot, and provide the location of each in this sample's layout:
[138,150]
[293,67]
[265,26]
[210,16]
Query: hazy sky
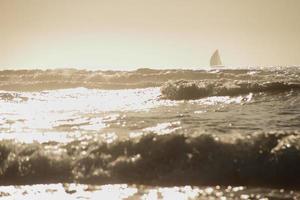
[128,34]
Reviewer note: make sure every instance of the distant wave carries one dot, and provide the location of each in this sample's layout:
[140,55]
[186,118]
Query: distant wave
[35,80]
[178,90]
[257,159]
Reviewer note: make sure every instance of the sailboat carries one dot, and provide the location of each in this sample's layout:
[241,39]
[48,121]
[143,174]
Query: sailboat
[215,60]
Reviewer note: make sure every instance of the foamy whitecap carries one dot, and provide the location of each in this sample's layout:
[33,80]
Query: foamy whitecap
[183,89]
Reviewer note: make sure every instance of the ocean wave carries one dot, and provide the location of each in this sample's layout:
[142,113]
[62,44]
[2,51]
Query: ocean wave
[257,159]
[35,80]
[183,89]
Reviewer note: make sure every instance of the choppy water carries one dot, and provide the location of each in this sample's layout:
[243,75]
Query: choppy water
[187,128]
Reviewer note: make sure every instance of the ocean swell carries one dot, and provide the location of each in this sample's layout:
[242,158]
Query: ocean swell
[36,80]
[184,90]
[257,159]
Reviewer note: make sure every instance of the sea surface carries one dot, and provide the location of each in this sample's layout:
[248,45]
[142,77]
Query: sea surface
[229,133]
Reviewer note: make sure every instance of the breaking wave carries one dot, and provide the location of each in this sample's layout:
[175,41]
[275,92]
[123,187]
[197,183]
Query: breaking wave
[258,159]
[182,89]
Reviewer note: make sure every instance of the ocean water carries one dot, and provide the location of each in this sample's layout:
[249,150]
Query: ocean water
[150,134]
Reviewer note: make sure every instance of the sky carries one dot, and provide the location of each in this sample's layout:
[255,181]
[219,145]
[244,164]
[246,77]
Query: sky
[129,34]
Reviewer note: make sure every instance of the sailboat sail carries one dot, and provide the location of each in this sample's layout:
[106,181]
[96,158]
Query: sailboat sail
[215,59]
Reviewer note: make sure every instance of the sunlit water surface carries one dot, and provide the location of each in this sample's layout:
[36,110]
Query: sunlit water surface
[46,120]
[68,114]
[133,192]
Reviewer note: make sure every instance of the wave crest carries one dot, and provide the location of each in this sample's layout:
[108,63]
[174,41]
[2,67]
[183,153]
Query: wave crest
[269,159]
[184,90]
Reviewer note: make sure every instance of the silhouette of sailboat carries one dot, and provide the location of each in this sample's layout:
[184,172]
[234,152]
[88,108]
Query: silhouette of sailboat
[215,60]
